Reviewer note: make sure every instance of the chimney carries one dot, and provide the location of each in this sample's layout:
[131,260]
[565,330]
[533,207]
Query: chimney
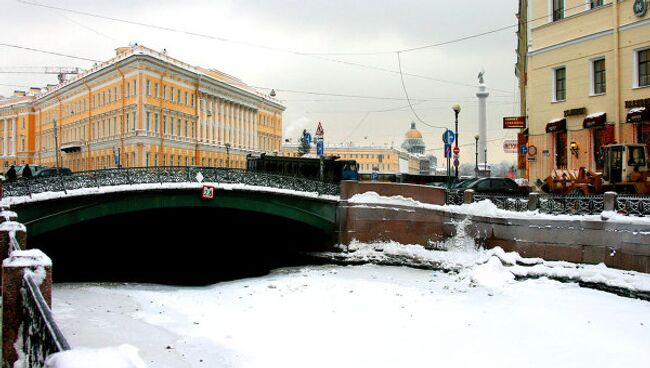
[19,93]
[121,50]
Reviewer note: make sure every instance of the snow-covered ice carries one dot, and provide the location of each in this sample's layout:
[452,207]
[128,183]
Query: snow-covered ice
[362,316]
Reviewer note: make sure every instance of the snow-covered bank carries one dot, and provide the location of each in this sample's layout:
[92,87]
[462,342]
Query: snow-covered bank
[8,201]
[488,209]
[362,316]
[468,260]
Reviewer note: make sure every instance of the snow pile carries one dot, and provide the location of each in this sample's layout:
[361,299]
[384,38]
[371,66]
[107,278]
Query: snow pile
[27,258]
[123,356]
[375,198]
[12,226]
[492,274]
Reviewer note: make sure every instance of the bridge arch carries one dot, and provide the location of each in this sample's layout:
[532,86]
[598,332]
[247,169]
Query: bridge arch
[49,215]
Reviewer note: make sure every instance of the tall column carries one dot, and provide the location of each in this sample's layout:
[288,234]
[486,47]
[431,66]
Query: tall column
[255,126]
[204,124]
[482,95]
[211,120]
[217,120]
[4,140]
[13,137]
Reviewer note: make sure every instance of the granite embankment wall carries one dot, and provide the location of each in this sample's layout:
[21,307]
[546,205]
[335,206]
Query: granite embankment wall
[617,242]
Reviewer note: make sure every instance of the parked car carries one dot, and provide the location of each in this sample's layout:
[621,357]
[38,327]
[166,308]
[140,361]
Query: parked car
[493,185]
[52,171]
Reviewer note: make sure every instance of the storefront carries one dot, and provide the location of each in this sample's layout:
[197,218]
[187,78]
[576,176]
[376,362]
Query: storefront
[557,128]
[602,135]
[640,116]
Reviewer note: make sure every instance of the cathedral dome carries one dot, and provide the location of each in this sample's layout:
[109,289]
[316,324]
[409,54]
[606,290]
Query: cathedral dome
[413,142]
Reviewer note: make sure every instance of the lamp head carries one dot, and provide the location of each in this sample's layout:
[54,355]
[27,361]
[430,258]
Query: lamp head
[456,108]
[476,137]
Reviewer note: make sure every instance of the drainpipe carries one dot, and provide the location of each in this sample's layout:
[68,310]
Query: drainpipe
[617,74]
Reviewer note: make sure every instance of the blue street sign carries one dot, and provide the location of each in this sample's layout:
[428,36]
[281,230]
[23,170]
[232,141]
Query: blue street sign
[308,138]
[320,149]
[523,150]
[374,176]
[447,150]
[448,137]
[456,162]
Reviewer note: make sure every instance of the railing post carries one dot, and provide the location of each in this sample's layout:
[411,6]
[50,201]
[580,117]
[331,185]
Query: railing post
[13,270]
[609,201]
[6,228]
[468,196]
[533,201]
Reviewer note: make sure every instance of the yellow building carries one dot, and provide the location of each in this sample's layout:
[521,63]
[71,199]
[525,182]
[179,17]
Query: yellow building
[588,67]
[141,108]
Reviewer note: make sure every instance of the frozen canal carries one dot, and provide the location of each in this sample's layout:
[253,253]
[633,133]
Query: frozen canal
[361,316]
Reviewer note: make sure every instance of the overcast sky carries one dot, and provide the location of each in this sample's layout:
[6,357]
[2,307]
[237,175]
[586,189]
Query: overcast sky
[333,27]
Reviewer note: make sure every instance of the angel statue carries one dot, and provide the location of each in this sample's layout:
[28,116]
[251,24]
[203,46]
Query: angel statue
[480,77]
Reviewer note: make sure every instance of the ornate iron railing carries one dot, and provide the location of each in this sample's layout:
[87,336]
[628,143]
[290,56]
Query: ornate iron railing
[633,205]
[629,205]
[454,197]
[505,202]
[571,205]
[176,174]
[40,334]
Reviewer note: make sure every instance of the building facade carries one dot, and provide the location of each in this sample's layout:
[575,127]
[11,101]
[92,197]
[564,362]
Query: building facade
[141,108]
[410,159]
[587,80]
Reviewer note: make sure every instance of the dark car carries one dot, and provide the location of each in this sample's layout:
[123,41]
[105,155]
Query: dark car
[52,171]
[493,185]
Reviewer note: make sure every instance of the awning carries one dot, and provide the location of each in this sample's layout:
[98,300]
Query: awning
[596,120]
[638,115]
[557,125]
[71,147]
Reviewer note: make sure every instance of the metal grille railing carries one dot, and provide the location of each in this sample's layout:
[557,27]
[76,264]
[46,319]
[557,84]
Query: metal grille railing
[40,334]
[633,205]
[176,174]
[505,202]
[629,205]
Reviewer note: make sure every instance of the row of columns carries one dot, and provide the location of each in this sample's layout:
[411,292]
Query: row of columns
[225,122]
[5,139]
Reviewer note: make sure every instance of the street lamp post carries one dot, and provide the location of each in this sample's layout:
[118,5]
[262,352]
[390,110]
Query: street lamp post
[456,109]
[476,137]
[56,147]
[228,155]
[487,173]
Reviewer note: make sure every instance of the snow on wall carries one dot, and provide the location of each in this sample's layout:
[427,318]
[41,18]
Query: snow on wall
[8,201]
[27,258]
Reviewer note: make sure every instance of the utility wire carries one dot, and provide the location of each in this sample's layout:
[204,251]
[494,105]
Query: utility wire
[47,52]
[250,44]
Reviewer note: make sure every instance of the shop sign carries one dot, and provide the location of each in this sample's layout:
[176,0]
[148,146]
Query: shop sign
[573,112]
[644,102]
[514,122]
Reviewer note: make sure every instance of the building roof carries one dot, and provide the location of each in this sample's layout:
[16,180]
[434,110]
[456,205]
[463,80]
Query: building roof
[413,133]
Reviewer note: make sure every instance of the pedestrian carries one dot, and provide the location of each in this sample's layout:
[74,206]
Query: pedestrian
[27,172]
[11,173]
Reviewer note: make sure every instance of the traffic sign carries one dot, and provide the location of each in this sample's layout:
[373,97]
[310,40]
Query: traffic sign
[308,138]
[456,162]
[456,150]
[320,149]
[447,150]
[319,130]
[207,192]
[523,149]
[448,136]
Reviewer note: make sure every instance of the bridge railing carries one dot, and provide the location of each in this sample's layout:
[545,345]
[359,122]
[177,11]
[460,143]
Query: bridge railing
[629,205]
[170,174]
[30,333]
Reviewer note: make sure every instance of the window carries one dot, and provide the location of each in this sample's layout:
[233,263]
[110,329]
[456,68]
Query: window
[599,75]
[134,87]
[164,96]
[596,3]
[128,88]
[178,99]
[155,124]
[643,57]
[148,122]
[178,127]
[155,90]
[133,121]
[171,97]
[147,89]
[560,84]
[164,124]
[558,10]
[186,98]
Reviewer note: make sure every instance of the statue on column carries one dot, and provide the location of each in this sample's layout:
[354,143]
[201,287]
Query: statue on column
[480,77]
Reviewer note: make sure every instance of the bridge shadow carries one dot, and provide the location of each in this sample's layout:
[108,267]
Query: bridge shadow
[186,246]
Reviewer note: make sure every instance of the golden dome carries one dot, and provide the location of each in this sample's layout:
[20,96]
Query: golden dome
[413,133]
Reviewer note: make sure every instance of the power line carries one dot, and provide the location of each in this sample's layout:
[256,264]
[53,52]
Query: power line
[47,52]
[249,44]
